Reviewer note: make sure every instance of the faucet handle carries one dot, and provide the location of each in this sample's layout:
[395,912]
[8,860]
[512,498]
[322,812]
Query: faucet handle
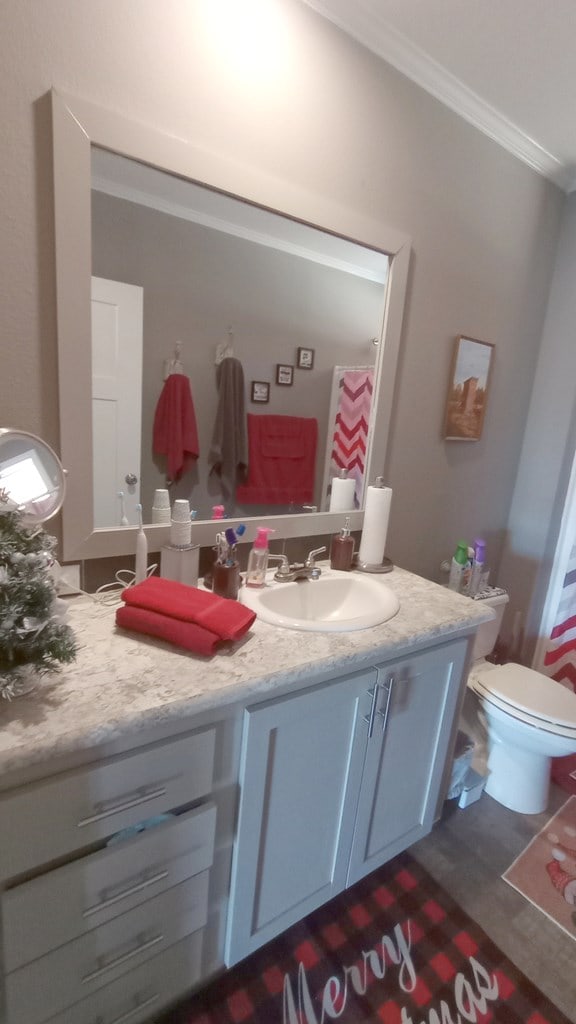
[283,568]
[309,563]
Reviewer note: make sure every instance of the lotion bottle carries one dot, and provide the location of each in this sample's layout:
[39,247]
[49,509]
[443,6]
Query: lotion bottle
[258,559]
[458,566]
[342,548]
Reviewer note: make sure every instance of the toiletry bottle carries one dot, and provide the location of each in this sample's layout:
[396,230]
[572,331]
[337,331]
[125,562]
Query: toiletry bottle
[477,566]
[218,512]
[258,559]
[458,566]
[342,548]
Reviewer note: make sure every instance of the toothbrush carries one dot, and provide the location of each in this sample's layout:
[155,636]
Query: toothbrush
[141,550]
[123,519]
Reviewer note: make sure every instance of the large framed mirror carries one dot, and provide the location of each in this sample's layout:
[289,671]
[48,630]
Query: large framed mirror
[212,259]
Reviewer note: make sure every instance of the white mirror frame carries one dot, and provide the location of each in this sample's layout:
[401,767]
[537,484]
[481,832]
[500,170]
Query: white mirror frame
[77,125]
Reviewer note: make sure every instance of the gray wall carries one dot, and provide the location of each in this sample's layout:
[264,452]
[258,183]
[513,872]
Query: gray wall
[315,109]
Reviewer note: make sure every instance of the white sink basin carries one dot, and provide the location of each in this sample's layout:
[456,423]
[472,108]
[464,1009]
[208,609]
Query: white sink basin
[337,602]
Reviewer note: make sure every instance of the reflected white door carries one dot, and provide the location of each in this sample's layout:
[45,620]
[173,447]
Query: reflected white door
[116,399]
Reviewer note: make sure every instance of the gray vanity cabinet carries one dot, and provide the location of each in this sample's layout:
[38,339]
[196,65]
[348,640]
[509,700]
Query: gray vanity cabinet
[415,706]
[301,766]
[335,780]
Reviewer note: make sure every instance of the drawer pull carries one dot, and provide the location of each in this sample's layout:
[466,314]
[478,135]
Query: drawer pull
[137,1008]
[124,958]
[124,805]
[369,718]
[137,887]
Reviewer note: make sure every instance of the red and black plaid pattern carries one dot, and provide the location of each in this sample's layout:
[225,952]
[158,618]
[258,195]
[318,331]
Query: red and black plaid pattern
[397,947]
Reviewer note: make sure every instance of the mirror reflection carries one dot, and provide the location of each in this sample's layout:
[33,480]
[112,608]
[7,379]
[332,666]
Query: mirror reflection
[31,476]
[233,350]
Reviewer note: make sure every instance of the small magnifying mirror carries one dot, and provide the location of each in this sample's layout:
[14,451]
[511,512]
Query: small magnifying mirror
[31,476]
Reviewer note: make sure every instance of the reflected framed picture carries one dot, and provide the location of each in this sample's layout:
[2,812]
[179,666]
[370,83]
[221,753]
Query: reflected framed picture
[284,374]
[305,358]
[260,391]
[468,388]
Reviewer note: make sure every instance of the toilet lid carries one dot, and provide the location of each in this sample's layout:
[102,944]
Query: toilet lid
[522,689]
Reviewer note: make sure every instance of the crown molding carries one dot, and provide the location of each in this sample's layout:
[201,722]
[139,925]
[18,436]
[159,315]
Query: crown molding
[370,29]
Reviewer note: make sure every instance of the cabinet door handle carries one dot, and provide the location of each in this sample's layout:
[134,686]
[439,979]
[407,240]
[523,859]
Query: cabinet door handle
[137,1008]
[385,711]
[123,805]
[124,958]
[137,887]
[369,718]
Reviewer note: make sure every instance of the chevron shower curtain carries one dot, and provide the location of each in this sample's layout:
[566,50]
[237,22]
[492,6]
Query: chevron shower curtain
[560,654]
[352,416]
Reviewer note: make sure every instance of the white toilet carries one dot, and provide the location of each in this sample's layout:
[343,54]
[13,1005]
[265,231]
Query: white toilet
[528,719]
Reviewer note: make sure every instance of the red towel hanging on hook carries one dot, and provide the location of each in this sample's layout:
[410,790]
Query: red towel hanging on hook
[175,434]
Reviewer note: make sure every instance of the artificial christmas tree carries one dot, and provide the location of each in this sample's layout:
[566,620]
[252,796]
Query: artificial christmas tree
[34,639]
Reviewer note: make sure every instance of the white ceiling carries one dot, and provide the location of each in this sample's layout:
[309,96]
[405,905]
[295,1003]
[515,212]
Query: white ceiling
[507,66]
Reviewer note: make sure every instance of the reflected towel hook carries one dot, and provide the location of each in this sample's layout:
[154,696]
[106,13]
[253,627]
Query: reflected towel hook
[175,364]
[226,348]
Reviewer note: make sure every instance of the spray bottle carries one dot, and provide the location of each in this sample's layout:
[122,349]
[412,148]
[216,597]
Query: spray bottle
[258,558]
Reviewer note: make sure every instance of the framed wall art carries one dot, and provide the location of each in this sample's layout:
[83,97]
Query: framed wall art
[260,391]
[305,358]
[284,374]
[468,387]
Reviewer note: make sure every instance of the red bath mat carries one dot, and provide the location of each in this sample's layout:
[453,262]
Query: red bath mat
[393,949]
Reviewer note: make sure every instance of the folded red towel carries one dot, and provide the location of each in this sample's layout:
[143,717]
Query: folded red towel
[183,634]
[228,619]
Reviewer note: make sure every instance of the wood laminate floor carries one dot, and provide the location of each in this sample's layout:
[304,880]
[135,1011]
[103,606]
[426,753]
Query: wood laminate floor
[467,853]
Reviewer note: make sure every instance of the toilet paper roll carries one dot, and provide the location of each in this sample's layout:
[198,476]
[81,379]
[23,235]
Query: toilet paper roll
[342,494]
[375,528]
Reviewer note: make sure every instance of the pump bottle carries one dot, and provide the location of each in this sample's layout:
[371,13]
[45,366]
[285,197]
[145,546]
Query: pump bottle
[342,548]
[258,558]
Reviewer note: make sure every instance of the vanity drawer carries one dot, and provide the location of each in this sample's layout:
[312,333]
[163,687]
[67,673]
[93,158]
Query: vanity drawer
[142,992]
[73,972]
[63,904]
[42,822]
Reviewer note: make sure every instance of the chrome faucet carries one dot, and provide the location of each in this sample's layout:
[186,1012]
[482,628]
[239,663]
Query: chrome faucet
[288,572]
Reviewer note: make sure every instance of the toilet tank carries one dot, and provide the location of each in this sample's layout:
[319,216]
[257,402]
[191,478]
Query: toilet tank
[488,631]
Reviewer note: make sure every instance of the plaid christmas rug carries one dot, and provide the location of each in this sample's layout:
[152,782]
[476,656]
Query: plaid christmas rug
[393,949]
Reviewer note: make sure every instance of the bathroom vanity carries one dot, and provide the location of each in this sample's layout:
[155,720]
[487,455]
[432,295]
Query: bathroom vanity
[281,770]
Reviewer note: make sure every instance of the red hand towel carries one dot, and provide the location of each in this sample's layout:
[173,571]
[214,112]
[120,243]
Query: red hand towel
[183,634]
[174,433]
[228,619]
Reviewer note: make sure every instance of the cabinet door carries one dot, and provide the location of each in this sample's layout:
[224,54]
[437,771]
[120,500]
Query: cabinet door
[300,775]
[415,703]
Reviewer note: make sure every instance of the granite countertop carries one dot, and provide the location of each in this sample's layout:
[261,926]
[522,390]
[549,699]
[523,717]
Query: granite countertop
[122,683]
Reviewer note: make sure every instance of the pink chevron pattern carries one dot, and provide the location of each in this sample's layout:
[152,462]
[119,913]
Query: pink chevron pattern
[560,657]
[350,438]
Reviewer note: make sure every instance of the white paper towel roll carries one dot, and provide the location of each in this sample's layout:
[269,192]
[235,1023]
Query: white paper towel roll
[342,494]
[375,528]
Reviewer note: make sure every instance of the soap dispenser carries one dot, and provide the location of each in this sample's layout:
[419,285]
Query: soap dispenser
[342,548]
[258,558]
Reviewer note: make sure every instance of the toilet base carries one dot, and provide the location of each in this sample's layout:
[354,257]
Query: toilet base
[518,779]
